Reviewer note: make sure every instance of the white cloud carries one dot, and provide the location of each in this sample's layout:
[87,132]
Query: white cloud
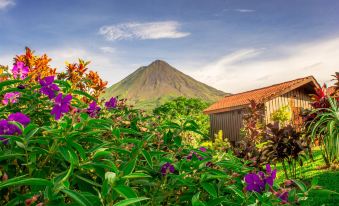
[244,10]
[148,30]
[6,60]
[6,3]
[107,49]
[253,68]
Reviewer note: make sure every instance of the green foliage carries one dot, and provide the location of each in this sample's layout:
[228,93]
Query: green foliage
[181,110]
[325,127]
[218,144]
[282,115]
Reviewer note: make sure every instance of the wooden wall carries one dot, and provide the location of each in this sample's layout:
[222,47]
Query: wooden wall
[295,99]
[229,122]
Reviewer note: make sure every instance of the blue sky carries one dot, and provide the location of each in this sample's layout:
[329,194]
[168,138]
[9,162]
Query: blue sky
[233,45]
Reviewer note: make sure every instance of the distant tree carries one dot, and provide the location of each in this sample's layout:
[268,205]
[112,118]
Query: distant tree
[181,110]
[181,106]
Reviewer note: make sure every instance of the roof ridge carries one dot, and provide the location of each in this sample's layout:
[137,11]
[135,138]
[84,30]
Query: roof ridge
[299,79]
[260,94]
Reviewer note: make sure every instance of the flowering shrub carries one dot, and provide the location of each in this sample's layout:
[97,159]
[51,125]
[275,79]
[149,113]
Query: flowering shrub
[60,146]
[263,183]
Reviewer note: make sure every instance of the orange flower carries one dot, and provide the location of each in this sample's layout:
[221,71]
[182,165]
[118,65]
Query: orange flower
[38,66]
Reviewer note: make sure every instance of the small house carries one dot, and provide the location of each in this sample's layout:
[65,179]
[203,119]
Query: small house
[226,114]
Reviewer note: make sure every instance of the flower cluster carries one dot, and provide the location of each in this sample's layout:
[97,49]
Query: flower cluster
[10,97]
[111,103]
[20,71]
[93,109]
[167,168]
[48,87]
[61,105]
[7,128]
[37,66]
[257,182]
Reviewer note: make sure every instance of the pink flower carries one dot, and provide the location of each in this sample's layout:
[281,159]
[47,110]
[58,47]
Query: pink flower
[20,70]
[11,97]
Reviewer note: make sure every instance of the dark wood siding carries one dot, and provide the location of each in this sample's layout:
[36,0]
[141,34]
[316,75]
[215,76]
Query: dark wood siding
[229,122]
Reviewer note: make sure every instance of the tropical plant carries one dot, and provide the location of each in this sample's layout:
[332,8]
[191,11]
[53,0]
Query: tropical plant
[252,133]
[253,121]
[325,127]
[284,145]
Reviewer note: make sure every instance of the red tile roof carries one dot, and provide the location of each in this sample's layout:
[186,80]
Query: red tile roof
[259,95]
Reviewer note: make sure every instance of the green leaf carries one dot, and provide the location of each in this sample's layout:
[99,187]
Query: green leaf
[196,201]
[136,175]
[148,158]
[130,201]
[125,191]
[315,181]
[237,191]
[88,181]
[78,148]
[79,92]
[8,82]
[129,167]
[30,130]
[63,83]
[102,154]
[209,188]
[301,185]
[25,181]
[77,197]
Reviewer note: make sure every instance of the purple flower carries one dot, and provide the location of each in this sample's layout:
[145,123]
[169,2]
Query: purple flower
[284,196]
[167,168]
[48,87]
[257,182]
[3,130]
[203,149]
[93,109]
[11,97]
[270,175]
[20,70]
[6,128]
[254,183]
[112,103]
[61,105]
[19,117]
